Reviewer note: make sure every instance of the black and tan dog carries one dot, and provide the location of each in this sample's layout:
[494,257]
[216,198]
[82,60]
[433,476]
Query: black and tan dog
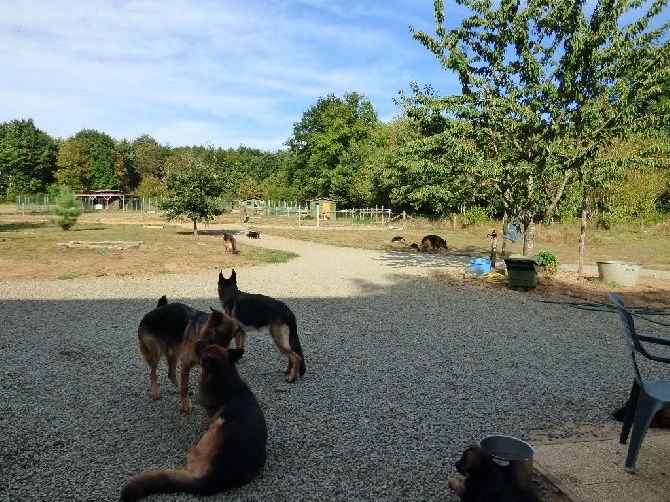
[259,313]
[232,451]
[229,243]
[171,330]
[484,481]
[432,243]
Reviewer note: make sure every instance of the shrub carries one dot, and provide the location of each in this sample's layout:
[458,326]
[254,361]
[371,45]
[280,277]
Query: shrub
[67,209]
[548,262]
[476,216]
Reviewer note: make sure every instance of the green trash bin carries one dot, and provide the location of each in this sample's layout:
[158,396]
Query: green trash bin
[522,271]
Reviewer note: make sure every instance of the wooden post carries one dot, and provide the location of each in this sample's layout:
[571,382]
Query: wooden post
[494,245]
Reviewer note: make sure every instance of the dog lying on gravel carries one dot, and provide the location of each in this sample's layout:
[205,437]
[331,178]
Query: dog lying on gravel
[171,330]
[483,480]
[232,451]
[259,312]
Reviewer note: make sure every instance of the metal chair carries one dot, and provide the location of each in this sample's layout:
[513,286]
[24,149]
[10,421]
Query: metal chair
[647,397]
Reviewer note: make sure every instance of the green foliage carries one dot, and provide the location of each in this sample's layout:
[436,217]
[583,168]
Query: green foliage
[67,209]
[545,87]
[322,137]
[151,186]
[74,165]
[548,262]
[149,157]
[249,188]
[27,159]
[108,170]
[476,216]
[193,189]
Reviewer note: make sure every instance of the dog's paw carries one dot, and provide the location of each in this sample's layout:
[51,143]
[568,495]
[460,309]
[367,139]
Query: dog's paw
[456,484]
[155,394]
[186,405]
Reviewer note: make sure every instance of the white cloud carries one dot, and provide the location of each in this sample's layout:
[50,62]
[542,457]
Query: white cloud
[190,72]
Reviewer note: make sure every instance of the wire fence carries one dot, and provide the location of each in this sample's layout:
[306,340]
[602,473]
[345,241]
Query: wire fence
[249,210]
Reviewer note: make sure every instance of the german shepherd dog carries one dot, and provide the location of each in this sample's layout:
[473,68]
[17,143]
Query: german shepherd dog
[660,421]
[232,451]
[432,243]
[171,330]
[483,480]
[229,243]
[259,313]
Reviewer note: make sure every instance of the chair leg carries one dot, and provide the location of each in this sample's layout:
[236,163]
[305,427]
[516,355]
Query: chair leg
[646,409]
[630,413]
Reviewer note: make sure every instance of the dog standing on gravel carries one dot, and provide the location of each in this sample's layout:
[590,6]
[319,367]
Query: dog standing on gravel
[257,312]
[233,450]
[483,480]
[229,243]
[171,330]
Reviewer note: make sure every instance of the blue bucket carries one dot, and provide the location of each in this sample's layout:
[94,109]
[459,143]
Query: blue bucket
[481,264]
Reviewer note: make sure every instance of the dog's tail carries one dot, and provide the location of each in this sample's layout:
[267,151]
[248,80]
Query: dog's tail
[294,343]
[162,301]
[164,481]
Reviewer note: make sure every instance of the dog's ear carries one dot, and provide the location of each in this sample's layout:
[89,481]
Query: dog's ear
[233,276]
[220,276]
[235,354]
[216,313]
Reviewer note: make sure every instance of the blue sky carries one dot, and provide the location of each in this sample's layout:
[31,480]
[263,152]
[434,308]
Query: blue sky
[226,73]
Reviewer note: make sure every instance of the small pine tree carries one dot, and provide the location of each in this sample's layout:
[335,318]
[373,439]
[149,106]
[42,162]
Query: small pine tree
[67,209]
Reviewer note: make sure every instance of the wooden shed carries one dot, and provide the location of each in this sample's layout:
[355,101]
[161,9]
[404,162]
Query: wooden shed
[326,207]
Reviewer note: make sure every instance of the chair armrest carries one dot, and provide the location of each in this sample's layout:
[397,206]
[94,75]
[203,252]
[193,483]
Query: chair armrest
[659,340]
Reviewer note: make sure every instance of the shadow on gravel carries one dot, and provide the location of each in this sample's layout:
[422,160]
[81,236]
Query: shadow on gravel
[398,383]
[402,259]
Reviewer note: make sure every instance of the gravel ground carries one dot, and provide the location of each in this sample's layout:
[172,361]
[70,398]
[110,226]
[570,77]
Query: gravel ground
[403,373]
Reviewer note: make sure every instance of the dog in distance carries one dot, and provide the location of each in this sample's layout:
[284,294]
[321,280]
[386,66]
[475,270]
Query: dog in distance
[432,243]
[229,244]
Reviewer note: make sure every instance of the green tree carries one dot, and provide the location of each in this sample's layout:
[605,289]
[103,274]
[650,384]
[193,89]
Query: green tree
[545,86]
[108,169]
[27,159]
[193,189]
[323,135]
[74,165]
[149,157]
[248,188]
[67,209]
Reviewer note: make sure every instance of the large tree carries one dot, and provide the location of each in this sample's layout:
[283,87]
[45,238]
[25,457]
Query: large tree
[193,189]
[27,158]
[108,169]
[320,139]
[74,165]
[546,85]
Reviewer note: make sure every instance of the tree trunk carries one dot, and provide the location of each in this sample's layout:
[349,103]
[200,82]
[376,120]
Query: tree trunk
[582,231]
[528,237]
[195,228]
[503,251]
